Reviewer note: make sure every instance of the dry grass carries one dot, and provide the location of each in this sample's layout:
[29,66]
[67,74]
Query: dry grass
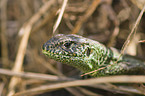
[26,25]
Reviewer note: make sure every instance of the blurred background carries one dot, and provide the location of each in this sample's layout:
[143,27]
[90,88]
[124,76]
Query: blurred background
[26,24]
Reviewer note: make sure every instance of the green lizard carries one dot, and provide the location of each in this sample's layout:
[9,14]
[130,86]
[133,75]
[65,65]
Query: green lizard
[88,55]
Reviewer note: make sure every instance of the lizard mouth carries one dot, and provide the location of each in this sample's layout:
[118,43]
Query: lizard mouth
[60,54]
[62,58]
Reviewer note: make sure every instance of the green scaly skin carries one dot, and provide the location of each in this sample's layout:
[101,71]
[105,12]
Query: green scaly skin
[88,55]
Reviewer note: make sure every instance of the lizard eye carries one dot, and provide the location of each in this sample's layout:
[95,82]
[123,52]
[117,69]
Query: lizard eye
[68,44]
[88,51]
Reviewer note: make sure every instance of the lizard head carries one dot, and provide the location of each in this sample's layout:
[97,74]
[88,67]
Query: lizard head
[71,49]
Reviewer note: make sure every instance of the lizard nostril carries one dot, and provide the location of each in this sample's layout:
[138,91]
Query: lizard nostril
[43,47]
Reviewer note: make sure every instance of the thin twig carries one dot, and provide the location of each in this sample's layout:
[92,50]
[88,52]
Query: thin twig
[141,41]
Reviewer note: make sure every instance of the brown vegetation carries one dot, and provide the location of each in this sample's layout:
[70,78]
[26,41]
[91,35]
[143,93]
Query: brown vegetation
[26,24]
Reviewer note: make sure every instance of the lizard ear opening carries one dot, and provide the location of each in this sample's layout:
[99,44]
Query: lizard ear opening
[88,51]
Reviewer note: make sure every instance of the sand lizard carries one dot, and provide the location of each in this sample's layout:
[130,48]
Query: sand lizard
[88,55]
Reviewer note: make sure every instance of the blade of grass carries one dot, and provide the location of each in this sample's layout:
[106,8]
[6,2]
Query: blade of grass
[60,15]
[25,31]
[88,13]
[109,79]
[4,43]
[133,31]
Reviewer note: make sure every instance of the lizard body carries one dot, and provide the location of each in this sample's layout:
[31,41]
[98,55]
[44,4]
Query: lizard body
[88,55]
